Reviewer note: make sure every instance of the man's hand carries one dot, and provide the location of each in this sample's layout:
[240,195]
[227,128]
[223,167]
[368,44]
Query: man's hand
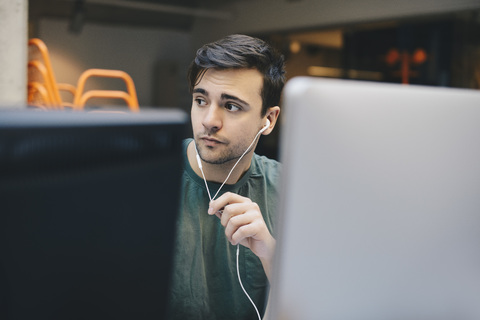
[244,224]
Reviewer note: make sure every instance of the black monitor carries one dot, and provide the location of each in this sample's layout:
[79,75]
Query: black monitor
[87,213]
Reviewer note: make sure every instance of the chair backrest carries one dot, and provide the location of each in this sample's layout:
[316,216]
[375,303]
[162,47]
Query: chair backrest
[43,67]
[44,91]
[129,96]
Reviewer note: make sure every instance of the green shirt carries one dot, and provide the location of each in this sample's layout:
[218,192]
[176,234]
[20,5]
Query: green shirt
[204,281]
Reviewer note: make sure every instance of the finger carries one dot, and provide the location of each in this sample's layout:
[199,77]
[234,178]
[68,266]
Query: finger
[233,210]
[225,199]
[235,227]
[248,224]
[246,233]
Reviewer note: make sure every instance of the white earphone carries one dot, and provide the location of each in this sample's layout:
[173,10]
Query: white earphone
[267,124]
[199,161]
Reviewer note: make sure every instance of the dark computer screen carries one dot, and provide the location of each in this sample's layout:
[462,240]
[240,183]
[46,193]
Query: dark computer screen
[87,213]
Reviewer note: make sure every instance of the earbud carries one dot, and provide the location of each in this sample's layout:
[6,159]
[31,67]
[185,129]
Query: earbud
[267,124]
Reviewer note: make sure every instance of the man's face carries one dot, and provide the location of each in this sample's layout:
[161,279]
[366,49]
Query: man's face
[226,113]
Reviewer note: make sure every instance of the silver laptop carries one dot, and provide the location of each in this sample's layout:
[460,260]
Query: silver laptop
[380,214]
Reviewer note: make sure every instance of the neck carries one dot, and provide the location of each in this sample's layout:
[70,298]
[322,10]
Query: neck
[219,172]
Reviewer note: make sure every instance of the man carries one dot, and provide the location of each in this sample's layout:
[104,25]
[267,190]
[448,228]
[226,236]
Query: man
[236,85]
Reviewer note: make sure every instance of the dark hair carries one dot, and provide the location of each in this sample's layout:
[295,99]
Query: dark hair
[239,52]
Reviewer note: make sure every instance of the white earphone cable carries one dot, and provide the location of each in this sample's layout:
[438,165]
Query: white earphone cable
[241,157]
[241,285]
[201,169]
[211,198]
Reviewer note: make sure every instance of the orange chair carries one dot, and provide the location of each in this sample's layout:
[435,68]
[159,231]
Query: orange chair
[130,96]
[36,88]
[43,89]
[39,86]
[44,67]
[70,88]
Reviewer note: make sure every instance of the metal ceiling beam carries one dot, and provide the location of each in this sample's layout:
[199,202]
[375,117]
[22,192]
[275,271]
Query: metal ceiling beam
[163,8]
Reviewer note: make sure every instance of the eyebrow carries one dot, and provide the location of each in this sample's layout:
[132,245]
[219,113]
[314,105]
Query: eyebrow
[234,98]
[224,96]
[200,90]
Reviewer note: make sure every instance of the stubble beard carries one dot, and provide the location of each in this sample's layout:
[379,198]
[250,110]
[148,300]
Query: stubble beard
[227,156]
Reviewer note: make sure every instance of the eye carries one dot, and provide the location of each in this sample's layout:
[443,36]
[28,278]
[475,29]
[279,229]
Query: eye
[200,101]
[232,107]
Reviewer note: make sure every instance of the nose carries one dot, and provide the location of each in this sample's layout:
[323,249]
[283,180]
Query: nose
[212,121]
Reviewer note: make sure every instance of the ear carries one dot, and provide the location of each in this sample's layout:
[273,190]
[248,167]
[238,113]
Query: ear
[272,116]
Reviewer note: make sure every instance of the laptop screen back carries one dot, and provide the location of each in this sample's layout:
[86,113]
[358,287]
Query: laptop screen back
[380,202]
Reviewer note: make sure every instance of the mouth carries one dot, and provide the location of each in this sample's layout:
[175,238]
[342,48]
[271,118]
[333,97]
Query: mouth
[210,142]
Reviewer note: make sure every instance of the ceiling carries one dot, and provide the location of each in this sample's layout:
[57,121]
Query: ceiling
[170,14]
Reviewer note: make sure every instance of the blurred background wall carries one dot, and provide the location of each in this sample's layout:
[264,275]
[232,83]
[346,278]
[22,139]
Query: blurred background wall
[154,40]
[427,42]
